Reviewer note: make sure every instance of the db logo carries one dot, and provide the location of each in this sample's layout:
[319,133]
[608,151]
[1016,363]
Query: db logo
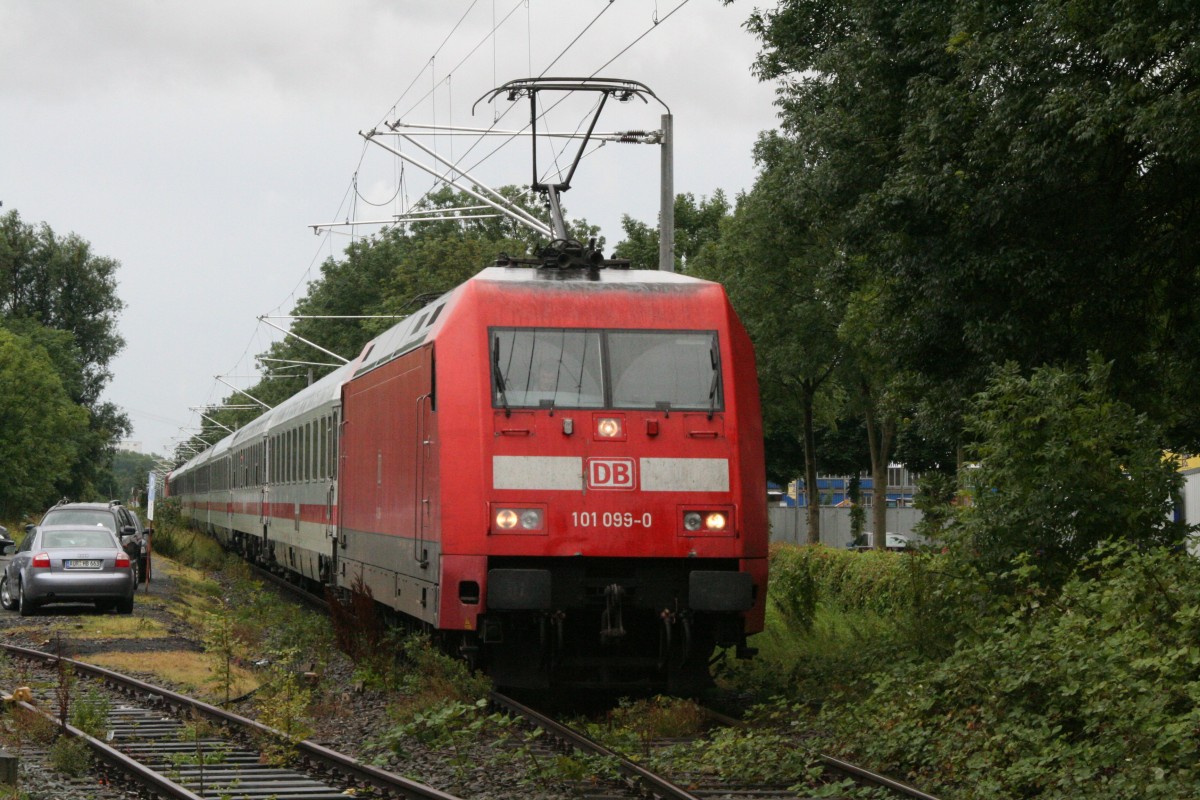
[610,473]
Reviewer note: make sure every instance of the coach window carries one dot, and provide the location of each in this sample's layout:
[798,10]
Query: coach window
[334,432]
[320,429]
[308,451]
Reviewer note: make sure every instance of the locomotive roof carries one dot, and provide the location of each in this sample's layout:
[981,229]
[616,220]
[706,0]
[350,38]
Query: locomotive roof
[584,277]
[416,328]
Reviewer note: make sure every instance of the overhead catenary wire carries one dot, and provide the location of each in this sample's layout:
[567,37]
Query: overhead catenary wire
[500,116]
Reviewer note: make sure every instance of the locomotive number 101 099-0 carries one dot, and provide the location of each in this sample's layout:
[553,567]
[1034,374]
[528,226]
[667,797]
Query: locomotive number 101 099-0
[610,519]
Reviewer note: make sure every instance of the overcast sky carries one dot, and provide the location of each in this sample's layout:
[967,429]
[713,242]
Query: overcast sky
[195,142]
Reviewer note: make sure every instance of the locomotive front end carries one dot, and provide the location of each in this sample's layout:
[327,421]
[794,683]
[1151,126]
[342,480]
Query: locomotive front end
[626,533]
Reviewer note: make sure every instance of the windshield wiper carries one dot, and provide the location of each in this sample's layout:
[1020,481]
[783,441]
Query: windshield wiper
[499,377]
[716,378]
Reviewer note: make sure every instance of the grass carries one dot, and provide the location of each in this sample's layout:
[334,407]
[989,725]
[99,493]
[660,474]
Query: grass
[184,668]
[841,646]
[107,626]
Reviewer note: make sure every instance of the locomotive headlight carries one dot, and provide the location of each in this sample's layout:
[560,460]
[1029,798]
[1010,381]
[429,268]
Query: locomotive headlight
[608,428]
[709,521]
[519,520]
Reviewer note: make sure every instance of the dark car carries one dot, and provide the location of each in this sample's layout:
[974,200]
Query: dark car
[111,515]
[69,564]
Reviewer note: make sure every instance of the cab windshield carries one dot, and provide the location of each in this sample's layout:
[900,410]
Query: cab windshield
[566,368]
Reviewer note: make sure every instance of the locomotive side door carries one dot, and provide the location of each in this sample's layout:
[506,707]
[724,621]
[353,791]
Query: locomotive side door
[425,468]
[329,451]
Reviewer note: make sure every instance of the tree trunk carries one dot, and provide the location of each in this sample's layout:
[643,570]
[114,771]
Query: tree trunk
[880,433]
[812,494]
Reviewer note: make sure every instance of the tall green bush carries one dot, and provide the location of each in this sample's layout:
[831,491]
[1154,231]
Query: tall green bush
[1091,692]
[1062,467]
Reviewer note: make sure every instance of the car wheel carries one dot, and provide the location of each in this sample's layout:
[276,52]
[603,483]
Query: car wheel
[25,606]
[142,573]
[6,596]
[104,605]
[125,605]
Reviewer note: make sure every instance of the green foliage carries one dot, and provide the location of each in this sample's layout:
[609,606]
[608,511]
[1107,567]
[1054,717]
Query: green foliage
[40,441]
[57,294]
[130,472]
[880,582]
[223,646]
[448,724]
[1062,467]
[1002,182]
[659,717]
[935,499]
[283,703]
[89,713]
[172,538]
[696,225]
[1088,694]
[431,673]
[70,756]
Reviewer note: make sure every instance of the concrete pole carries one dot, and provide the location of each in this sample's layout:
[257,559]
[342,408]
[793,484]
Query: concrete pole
[666,215]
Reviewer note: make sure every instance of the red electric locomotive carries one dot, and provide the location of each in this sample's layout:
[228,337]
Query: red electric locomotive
[558,469]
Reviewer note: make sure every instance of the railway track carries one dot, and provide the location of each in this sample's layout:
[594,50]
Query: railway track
[146,745]
[643,782]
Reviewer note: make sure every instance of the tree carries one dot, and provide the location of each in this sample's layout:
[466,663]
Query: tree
[56,293]
[1023,174]
[772,274]
[60,284]
[1062,467]
[130,473]
[41,427]
[696,225]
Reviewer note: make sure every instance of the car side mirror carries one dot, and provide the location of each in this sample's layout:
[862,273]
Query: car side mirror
[8,548]
[128,530]
[29,528]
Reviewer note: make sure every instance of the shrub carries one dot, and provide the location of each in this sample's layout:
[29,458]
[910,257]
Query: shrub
[1061,468]
[1093,692]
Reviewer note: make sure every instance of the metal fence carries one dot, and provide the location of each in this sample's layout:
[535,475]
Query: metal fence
[791,524]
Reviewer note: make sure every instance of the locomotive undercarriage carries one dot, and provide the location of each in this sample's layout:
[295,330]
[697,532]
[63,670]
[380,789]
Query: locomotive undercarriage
[611,623]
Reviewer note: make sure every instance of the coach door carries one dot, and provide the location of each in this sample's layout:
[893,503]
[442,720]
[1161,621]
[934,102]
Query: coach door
[260,478]
[227,494]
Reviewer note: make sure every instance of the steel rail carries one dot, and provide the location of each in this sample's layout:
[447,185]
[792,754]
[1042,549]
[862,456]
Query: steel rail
[654,784]
[838,764]
[156,782]
[353,769]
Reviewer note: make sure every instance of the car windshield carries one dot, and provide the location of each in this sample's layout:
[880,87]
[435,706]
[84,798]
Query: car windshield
[80,538]
[81,516]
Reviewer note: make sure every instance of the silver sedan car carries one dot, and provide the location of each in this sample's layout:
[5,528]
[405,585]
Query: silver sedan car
[68,564]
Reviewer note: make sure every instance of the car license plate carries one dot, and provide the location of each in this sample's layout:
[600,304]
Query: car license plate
[83,563]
